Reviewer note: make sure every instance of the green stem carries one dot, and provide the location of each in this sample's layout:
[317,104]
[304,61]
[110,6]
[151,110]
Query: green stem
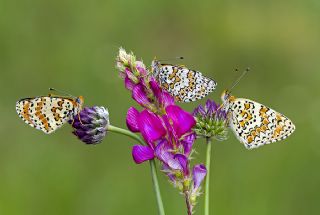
[208,159]
[152,165]
[189,205]
[126,133]
[156,187]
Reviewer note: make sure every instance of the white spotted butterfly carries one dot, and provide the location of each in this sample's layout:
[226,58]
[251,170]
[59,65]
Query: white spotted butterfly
[253,123]
[184,84]
[48,113]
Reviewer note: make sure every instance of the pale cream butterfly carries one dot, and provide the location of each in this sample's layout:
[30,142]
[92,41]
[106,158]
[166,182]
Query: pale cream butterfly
[48,113]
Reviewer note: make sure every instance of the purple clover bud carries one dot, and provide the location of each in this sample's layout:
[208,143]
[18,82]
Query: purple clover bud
[211,121]
[90,125]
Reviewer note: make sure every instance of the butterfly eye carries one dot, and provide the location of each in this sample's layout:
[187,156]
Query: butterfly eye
[227,94]
[224,96]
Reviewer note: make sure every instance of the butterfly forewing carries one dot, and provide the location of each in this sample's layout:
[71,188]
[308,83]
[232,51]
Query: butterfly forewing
[184,84]
[46,113]
[255,124]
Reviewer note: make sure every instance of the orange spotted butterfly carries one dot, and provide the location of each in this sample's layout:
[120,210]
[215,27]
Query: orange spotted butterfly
[48,113]
[184,84]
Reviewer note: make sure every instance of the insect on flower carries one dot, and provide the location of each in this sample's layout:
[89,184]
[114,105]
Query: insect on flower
[255,124]
[184,84]
[48,113]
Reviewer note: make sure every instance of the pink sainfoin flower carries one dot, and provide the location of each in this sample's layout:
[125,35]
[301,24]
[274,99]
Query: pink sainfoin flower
[144,88]
[165,127]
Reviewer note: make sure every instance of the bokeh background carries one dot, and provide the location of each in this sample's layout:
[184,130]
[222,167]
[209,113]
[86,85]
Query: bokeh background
[72,45]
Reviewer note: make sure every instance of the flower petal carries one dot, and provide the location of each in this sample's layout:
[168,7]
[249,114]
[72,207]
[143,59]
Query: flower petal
[163,97]
[199,111]
[199,172]
[168,171]
[182,120]
[129,74]
[183,161]
[155,88]
[142,153]
[150,126]
[187,143]
[141,68]
[128,83]
[211,107]
[171,132]
[162,152]
[166,99]
[132,119]
[140,95]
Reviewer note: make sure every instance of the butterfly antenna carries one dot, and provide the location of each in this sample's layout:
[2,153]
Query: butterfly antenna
[62,92]
[238,80]
[149,68]
[175,58]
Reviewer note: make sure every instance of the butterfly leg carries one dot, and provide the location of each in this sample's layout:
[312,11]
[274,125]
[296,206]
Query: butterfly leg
[72,121]
[221,106]
[80,119]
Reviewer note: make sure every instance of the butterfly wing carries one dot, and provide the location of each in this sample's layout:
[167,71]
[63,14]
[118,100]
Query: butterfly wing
[255,124]
[46,113]
[184,84]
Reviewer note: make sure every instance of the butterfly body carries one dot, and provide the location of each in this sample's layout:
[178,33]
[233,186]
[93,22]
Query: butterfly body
[48,113]
[255,124]
[184,84]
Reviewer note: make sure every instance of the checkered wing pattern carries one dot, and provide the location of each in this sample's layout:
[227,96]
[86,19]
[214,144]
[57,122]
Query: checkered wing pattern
[47,113]
[184,84]
[255,124]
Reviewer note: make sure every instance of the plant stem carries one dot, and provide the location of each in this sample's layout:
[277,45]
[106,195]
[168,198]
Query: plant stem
[208,159]
[126,133]
[156,187]
[189,206]
[152,165]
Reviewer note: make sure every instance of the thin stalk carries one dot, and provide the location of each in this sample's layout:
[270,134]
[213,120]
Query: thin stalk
[152,165]
[156,187]
[126,133]
[188,203]
[208,159]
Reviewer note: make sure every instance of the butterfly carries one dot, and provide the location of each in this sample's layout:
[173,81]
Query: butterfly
[184,84]
[255,124]
[48,113]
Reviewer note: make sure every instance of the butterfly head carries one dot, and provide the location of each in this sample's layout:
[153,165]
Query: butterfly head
[227,97]
[155,67]
[79,101]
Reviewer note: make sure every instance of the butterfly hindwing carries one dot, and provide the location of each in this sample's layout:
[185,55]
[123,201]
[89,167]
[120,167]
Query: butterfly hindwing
[46,113]
[255,124]
[184,84]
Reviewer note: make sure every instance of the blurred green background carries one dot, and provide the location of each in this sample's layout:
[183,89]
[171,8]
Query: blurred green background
[72,45]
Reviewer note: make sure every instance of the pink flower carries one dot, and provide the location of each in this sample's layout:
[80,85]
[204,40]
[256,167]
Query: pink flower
[166,128]
[153,128]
